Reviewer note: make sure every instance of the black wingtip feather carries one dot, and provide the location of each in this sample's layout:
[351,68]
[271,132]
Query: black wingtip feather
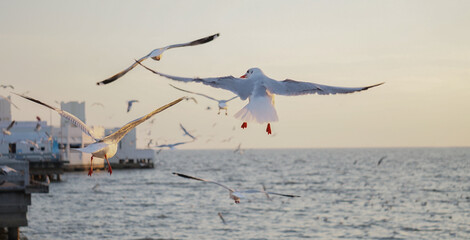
[34,100]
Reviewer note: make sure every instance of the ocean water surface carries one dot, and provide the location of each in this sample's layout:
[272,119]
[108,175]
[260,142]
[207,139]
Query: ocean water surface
[414,193]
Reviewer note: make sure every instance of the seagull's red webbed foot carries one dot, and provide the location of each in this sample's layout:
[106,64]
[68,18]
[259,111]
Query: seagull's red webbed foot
[91,167]
[110,170]
[268,128]
[244,125]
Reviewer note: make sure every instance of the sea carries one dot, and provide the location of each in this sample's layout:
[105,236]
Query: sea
[378,193]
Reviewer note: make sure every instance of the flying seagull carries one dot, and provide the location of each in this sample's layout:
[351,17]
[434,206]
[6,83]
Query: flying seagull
[234,194]
[103,147]
[260,90]
[5,170]
[6,131]
[221,103]
[129,104]
[173,145]
[186,133]
[156,55]
[7,86]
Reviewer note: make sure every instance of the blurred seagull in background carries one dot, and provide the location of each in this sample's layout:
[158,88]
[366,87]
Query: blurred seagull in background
[38,124]
[6,131]
[103,147]
[172,146]
[221,103]
[234,194]
[156,55]
[129,104]
[7,86]
[5,170]
[186,133]
[260,90]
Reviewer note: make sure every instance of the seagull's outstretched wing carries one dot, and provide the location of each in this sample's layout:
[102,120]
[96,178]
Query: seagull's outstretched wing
[11,125]
[203,180]
[67,116]
[293,88]
[200,94]
[272,193]
[119,134]
[240,86]
[156,54]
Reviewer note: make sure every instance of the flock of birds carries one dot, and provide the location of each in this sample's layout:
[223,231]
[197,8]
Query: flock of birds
[254,85]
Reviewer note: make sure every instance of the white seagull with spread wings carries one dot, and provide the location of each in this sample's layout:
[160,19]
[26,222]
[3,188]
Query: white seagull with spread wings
[103,147]
[221,103]
[260,90]
[234,194]
[156,55]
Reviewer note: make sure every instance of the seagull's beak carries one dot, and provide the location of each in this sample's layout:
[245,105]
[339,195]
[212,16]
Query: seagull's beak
[244,76]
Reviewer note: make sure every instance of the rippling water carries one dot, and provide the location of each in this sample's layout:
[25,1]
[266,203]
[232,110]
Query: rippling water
[413,194]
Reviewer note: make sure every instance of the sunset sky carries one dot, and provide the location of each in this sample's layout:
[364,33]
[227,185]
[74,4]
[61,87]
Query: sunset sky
[58,50]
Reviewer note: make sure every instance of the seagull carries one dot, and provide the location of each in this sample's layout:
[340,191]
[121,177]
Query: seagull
[380,160]
[234,194]
[156,55]
[221,217]
[186,133]
[5,170]
[38,124]
[97,104]
[7,86]
[6,131]
[239,150]
[173,145]
[103,147]
[222,103]
[30,142]
[9,101]
[260,90]
[129,104]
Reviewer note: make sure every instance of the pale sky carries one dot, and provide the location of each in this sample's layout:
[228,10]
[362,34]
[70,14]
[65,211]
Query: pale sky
[58,50]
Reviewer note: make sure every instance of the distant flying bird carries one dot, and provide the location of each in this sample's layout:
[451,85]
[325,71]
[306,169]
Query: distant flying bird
[129,104]
[233,194]
[38,124]
[186,133]
[239,149]
[173,145]
[30,142]
[97,104]
[7,86]
[149,143]
[8,100]
[221,218]
[156,55]
[6,131]
[380,160]
[103,147]
[260,90]
[221,103]
[5,170]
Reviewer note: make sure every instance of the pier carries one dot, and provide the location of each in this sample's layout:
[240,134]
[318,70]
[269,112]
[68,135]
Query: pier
[16,188]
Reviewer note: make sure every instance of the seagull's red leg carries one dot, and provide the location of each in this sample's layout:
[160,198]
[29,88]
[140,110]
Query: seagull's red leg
[110,170]
[268,128]
[91,167]
[244,125]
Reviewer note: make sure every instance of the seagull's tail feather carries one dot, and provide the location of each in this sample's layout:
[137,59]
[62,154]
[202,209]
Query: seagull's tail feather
[260,110]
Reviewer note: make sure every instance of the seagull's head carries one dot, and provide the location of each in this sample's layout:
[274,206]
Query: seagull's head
[252,72]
